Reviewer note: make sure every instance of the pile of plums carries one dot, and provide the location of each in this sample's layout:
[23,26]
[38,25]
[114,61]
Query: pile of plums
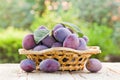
[61,36]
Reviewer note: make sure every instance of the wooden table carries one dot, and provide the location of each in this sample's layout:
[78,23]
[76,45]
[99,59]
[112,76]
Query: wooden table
[110,71]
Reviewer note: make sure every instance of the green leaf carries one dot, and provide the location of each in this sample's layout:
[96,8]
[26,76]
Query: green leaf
[40,34]
[74,27]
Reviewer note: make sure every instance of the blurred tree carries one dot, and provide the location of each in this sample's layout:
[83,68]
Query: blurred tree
[102,12]
[15,13]
[38,6]
[99,11]
[20,13]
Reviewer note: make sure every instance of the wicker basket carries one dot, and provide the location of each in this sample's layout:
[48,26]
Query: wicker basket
[69,59]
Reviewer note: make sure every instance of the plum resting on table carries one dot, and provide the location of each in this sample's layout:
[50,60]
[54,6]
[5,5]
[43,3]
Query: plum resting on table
[49,65]
[61,33]
[28,42]
[27,65]
[93,65]
[72,41]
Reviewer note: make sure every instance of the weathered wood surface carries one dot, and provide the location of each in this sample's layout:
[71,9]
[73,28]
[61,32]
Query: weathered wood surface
[110,71]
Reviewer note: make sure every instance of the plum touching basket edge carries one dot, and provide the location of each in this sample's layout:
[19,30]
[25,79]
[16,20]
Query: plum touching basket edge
[69,59]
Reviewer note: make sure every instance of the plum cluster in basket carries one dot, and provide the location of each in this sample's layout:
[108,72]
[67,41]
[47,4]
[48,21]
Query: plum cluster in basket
[60,37]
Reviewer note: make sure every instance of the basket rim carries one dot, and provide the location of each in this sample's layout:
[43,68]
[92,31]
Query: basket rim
[90,50]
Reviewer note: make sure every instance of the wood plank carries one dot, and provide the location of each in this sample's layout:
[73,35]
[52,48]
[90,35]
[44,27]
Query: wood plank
[78,75]
[104,74]
[11,72]
[110,71]
[50,76]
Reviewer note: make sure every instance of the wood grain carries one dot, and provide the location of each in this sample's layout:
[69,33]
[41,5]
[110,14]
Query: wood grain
[110,71]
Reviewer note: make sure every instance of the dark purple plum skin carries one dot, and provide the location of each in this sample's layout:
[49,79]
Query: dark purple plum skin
[58,26]
[28,42]
[93,65]
[71,41]
[57,44]
[61,33]
[48,41]
[27,65]
[82,44]
[49,65]
[40,47]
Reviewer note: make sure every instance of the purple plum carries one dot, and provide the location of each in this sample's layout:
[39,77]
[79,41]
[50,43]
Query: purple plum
[27,65]
[40,47]
[58,26]
[49,65]
[28,42]
[61,33]
[82,44]
[71,41]
[93,65]
[48,41]
[86,38]
[57,44]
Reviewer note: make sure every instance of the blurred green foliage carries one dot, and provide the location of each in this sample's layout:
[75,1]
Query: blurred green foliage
[15,13]
[10,42]
[19,13]
[102,12]
[98,19]
[102,36]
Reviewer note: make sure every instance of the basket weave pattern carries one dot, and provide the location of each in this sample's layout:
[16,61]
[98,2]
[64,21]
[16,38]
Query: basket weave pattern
[69,59]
